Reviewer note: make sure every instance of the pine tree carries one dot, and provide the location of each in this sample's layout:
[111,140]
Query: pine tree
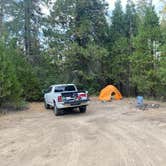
[79,32]
[31,28]
[1,16]
[4,11]
[131,30]
[144,60]
[131,20]
[117,22]
[10,88]
[118,46]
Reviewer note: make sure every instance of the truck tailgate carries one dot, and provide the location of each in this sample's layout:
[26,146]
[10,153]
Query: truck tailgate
[72,98]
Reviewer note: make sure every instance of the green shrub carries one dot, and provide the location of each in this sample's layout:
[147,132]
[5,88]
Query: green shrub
[10,87]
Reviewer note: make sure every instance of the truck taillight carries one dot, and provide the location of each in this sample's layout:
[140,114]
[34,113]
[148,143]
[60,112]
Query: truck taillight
[82,95]
[59,98]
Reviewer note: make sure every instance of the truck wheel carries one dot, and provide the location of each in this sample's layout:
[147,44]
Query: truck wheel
[46,105]
[57,111]
[82,109]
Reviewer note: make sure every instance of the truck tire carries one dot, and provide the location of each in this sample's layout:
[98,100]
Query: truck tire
[82,109]
[47,106]
[57,111]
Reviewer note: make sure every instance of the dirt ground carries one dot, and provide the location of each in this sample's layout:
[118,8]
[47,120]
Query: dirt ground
[108,134]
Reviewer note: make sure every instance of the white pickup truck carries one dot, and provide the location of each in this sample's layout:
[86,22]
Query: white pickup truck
[65,96]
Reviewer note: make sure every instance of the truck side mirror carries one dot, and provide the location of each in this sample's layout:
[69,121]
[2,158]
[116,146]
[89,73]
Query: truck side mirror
[43,91]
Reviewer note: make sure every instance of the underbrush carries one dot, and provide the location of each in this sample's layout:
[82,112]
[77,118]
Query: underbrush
[13,106]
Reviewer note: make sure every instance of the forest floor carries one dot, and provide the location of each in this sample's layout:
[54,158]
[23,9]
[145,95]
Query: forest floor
[108,134]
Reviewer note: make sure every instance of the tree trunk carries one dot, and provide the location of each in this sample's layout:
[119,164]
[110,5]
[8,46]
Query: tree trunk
[1,16]
[27,35]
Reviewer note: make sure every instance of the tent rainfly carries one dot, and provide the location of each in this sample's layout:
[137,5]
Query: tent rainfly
[107,92]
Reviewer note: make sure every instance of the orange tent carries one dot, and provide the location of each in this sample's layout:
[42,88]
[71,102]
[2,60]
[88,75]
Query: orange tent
[106,93]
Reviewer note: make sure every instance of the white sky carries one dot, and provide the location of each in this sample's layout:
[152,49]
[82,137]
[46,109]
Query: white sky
[111,4]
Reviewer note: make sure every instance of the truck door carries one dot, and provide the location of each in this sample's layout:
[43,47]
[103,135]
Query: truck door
[48,95]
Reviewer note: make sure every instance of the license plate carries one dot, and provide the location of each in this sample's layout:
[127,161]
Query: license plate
[76,103]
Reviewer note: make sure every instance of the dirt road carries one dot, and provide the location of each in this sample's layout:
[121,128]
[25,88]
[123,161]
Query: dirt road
[109,134]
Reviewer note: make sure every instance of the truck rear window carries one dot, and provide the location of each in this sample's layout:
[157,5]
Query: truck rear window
[64,88]
[70,88]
